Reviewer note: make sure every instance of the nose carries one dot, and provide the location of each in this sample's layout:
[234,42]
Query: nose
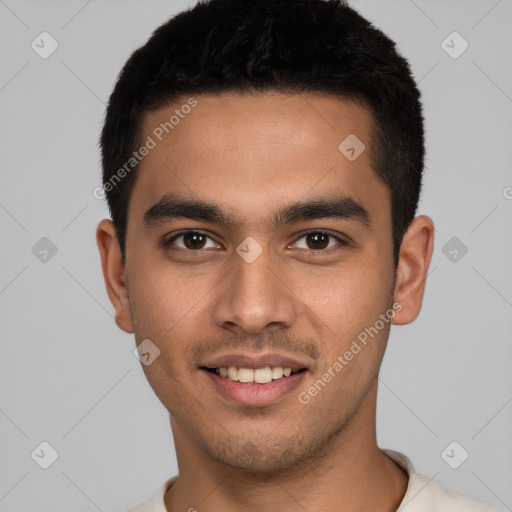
[255,297]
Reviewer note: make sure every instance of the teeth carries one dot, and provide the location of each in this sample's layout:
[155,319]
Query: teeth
[277,372]
[263,375]
[259,375]
[246,375]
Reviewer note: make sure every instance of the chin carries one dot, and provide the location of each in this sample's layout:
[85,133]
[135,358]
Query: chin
[266,460]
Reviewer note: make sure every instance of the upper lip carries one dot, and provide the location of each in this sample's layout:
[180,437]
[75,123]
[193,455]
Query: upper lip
[246,360]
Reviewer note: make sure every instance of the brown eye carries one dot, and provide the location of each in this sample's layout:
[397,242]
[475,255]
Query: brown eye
[318,240]
[191,240]
[194,240]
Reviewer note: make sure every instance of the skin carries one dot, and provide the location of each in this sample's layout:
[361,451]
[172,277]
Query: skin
[252,154]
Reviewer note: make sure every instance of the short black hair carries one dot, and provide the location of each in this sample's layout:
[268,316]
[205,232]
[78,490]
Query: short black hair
[290,46]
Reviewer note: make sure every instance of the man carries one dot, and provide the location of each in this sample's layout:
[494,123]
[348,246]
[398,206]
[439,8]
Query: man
[262,163]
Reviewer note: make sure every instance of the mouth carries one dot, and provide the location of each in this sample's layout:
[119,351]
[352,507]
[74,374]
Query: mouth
[262,375]
[254,380]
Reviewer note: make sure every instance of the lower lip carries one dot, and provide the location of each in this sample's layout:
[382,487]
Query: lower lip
[253,393]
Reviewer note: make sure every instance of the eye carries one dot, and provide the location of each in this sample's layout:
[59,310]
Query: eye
[192,241]
[319,240]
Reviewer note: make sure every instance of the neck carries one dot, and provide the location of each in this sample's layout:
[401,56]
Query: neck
[350,470]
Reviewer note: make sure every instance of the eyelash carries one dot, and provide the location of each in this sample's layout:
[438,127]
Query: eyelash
[168,243]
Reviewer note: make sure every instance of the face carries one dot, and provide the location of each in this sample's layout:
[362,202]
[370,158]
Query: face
[253,242]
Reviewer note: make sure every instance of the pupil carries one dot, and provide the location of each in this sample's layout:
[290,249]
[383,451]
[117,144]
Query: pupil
[194,240]
[320,240]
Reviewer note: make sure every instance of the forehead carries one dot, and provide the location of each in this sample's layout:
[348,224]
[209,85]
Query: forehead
[250,152]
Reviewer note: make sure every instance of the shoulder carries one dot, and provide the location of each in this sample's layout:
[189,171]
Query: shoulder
[155,504]
[426,495]
[439,499]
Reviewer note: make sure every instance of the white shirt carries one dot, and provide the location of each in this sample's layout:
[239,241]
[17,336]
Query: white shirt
[422,494]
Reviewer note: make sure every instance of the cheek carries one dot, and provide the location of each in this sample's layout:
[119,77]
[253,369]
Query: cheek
[171,306]
[165,296]
[348,298]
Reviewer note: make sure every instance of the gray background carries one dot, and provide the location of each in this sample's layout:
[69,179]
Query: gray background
[68,374]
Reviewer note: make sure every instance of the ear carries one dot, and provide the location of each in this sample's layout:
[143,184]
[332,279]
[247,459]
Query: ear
[415,255]
[113,273]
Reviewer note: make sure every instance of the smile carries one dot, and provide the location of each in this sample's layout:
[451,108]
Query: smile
[253,375]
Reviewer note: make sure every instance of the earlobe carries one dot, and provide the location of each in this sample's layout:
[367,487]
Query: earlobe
[415,255]
[113,273]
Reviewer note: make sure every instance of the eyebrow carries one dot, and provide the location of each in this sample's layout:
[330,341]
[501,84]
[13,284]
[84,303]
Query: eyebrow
[172,206]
